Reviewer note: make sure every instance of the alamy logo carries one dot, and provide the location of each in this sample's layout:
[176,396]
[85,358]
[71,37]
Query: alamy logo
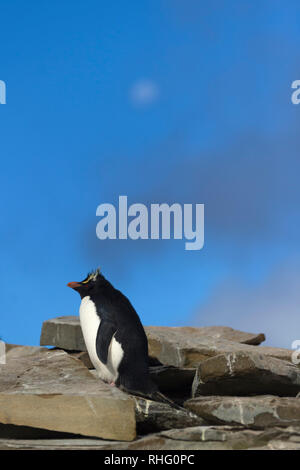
[154,225]
[296,94]
[2,92]
[296,354]
[2,353]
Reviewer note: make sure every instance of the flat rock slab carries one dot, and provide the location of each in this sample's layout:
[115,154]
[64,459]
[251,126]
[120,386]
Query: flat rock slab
[59,444]
[63,332]
[218,332]
[187,347]
[253,412]
[244,373]
[223,436]
[153,416]
[191,438]
[283,439]
[48,389]
[175,346]
[83,357]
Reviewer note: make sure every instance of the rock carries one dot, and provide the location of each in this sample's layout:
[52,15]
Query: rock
[278,445]
[222,437]
[278,353]
[26,432]
[162,441]
[48,389]
[83,357]
[174,346]
[222,332]
[206,438]
[253,412]
[60,444]
[187,347]
[26,350]
[285,439]
[244,373]
[153,416]
[192,438]
[51,398]
[194,344]
[63,332]
[172,380]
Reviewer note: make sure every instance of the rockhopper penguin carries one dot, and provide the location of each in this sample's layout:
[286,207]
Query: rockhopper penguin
[115,338]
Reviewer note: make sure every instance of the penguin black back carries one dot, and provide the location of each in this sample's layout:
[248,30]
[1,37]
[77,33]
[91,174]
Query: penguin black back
[121,320]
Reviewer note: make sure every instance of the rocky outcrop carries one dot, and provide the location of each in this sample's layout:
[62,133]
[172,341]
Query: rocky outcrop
[152,416]
[48,389]
[245,373]
[189,439]
[254,412]
[187,347]
[234,394]
[175,346]
[63,332]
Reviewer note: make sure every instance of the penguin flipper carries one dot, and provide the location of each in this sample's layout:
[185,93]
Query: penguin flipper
[105,333]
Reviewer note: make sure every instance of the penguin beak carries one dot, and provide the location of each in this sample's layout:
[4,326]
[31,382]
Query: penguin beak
[73,285]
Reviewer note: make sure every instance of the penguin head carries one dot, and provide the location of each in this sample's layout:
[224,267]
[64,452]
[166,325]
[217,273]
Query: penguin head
[88,285]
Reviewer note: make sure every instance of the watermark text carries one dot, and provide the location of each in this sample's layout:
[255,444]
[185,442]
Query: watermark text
[296,94]
[2,92]
[160,221]
[2,353]
[296,354]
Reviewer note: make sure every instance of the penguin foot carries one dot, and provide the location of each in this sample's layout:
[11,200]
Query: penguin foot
[112,384]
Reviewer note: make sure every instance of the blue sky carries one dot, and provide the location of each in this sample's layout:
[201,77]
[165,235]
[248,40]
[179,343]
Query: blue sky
[215,126]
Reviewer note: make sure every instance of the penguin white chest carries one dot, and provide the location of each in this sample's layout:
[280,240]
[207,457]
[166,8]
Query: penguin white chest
[90,322]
